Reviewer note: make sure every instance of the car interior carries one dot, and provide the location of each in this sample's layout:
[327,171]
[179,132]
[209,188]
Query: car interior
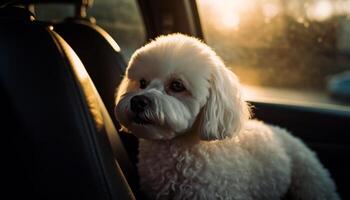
[58,82]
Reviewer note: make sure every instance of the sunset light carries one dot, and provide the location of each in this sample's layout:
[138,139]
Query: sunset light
[265,41]
[230,11]
[230,20]
[233,14]
[320,11]
[270,10]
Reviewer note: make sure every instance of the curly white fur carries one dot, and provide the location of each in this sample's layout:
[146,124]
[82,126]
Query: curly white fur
[199,143]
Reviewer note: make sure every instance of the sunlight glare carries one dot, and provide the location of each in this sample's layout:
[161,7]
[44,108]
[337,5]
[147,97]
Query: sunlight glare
[230,20]
[342,7]
[270,10]
[230,11]
[321,10]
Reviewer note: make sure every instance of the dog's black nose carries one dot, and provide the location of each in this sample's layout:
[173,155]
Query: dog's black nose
[139,103]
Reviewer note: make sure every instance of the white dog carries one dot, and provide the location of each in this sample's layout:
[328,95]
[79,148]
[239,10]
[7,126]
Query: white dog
[196,139]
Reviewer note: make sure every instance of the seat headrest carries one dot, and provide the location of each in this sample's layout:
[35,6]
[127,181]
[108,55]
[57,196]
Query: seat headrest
[80,5]
[86,3]
[13,13]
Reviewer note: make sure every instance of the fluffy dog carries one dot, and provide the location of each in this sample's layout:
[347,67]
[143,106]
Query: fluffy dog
[196,138]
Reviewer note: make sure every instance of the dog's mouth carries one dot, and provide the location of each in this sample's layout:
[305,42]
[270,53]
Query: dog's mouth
[140,120]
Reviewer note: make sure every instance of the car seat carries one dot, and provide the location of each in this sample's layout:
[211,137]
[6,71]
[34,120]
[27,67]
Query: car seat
[63,142]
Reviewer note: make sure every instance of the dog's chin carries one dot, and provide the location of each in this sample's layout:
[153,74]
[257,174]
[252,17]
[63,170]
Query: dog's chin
[150,131]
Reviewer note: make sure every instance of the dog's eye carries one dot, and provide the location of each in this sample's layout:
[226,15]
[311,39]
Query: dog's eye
[143,83]
[177,86]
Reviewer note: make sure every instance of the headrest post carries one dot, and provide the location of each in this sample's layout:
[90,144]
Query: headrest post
[30,8]
[80,10]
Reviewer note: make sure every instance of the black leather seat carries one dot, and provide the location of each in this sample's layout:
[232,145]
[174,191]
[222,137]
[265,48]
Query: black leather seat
[99,53]
[62,140]
[106,66]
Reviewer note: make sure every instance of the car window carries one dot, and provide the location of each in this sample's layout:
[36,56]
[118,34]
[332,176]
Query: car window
[120,18]
[301,45]
[53,12]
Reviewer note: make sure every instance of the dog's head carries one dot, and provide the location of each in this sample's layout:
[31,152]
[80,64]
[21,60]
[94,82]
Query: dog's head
[175,83]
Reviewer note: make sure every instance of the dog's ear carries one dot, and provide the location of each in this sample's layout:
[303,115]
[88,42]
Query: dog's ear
[225,111]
